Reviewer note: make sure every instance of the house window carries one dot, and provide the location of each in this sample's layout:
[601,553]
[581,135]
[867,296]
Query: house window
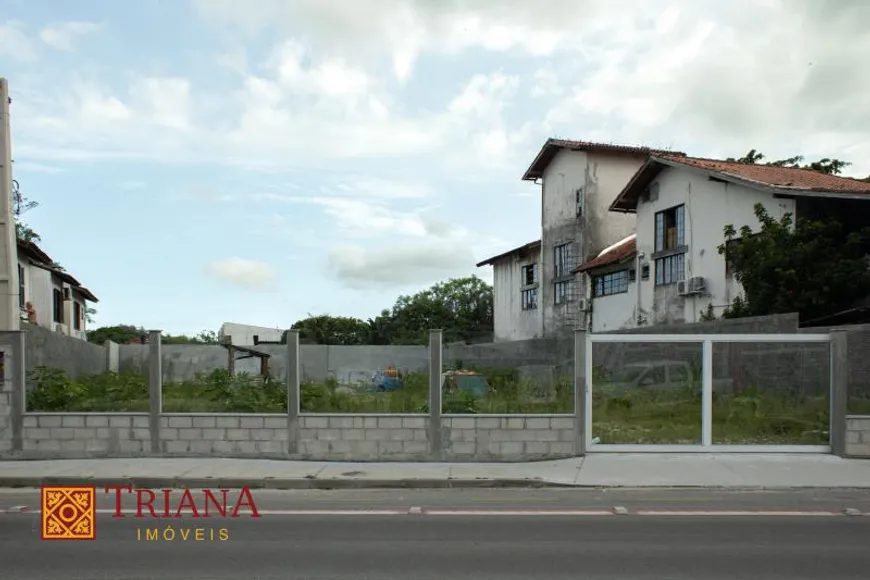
[77,315]
[562,261]
[644,272]
[530,299]
[670,228]
[561,291]
[21,301]
[670,269]
[530,274]
[612,283]
[57,303]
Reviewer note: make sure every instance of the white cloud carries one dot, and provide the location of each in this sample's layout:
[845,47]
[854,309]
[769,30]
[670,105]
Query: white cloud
[723,80]
[399,265]
[250,274]
[62,35]
[14,43]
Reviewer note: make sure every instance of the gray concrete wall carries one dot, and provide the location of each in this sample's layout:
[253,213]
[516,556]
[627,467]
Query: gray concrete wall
[76,357]
[321,437]
[858,436]
[351,363]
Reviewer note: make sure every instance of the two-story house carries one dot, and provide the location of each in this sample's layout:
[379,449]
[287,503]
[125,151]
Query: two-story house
[578,180]
[672,272]
[48,296]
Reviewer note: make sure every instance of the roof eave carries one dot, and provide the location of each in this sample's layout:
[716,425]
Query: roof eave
[626,201]
[534,172]
[525,247]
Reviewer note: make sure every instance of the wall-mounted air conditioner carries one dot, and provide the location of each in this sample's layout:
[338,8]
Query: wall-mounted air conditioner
[691,286]
[583,305]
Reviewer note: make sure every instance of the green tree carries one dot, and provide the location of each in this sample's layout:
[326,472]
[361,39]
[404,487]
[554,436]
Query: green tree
[807,266]
[826,165]
[20,206]
[121,334]
[204,337]
[326,329]
[462,308]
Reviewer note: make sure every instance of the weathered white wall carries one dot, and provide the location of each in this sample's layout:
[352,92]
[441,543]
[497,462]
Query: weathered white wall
[709,207]
[39,292]
[243,334]
[511,322]
[615,311]
[39,286]
[602,176]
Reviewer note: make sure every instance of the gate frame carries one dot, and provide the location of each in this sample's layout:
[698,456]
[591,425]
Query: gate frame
[706,445]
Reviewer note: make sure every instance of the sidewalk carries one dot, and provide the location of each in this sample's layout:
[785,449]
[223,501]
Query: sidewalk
[733,471]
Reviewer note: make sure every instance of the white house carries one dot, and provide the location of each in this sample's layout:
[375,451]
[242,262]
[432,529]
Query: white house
[516,288]
[674,272]
[245,334]
[48,296]
[579,180]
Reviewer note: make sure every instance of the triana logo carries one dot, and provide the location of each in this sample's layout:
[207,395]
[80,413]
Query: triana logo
[69,512]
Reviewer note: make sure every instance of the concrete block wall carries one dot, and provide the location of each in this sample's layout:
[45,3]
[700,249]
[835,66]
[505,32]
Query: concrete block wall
[74,356]
[224,435]
[858,436]
[77,435]
[364,437]
[493,438]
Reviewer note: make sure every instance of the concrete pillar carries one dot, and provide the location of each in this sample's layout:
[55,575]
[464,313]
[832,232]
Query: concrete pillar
[10,318]
[579,392]
[113,357]
[839,390]
[435,366]
[18,396]
[155,386]
[294,385]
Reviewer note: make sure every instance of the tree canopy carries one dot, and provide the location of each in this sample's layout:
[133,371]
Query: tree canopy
[825,165]
[127,333]
[461,307]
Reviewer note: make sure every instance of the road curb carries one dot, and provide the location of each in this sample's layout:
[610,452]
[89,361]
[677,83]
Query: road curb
[310,483]
[277,483]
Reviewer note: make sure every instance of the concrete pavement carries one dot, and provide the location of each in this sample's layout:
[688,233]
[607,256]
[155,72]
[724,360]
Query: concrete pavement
[433,548]
[734,471]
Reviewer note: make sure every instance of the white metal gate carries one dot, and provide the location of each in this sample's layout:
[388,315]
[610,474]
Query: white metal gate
[706,441]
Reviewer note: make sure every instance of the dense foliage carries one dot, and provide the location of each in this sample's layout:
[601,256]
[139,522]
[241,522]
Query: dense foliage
[462,308]
[805,267]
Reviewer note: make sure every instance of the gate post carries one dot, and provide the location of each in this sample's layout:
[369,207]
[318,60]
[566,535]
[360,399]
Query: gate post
[839,390]
[580,411]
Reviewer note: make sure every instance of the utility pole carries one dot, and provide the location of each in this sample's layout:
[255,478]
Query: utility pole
[10,318]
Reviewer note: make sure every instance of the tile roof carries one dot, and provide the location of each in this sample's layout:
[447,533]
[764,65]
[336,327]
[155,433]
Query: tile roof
[774,176]
[522,249]
[612,255]
[553,146]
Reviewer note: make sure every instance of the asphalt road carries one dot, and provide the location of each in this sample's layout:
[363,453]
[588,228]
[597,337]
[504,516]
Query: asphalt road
[425,547]
[515,499]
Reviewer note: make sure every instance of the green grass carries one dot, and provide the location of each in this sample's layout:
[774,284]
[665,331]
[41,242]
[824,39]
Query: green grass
[752,417]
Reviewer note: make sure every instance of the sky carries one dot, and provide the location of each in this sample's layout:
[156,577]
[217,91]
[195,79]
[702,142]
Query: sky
[208,161]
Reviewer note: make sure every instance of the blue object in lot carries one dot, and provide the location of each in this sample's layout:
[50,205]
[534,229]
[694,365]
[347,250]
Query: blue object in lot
[387,381]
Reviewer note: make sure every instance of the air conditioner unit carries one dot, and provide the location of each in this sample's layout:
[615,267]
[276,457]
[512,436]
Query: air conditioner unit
[583,305]
[691,286]
[697,285]
[682,287]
